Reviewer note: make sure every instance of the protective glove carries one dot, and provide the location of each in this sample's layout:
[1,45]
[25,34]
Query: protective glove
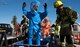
[45,5]
[24,4]
[53,25]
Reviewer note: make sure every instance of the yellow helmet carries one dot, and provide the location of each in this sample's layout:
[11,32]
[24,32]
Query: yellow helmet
[24,17]
[57,4]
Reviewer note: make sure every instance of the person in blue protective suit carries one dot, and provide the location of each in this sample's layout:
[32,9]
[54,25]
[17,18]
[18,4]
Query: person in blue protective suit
[35,19]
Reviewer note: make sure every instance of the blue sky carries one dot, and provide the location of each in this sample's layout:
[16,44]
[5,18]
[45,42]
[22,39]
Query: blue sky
[10,8]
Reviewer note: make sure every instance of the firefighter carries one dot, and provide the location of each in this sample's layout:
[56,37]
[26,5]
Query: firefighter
[56,28]
[35,19]
[56,34]
[18,29]
[46,26]
[66,18]
[25,24]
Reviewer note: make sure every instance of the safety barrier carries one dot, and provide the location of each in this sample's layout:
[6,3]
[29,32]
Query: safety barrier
[22,44]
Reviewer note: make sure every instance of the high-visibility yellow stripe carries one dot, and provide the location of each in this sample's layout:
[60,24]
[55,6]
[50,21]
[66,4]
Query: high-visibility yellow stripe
[73,19]
[62,43]
[70,12]
[65,18]
[70,45]
[66,25]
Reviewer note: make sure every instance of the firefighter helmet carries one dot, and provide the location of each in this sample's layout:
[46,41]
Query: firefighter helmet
[57,4]
[24,17]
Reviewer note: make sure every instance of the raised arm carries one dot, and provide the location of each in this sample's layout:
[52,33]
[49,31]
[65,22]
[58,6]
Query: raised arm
[24,9]
[44,14]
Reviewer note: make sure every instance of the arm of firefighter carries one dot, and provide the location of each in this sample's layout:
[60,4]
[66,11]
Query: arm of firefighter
[58,20]
[74,16]
[48,26]
[42,24]
[44,14]
[24,10]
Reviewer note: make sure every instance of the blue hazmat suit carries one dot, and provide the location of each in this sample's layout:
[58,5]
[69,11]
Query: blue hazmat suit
[35,19]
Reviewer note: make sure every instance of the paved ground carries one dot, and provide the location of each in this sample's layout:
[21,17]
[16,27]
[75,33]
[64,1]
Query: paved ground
[10,37]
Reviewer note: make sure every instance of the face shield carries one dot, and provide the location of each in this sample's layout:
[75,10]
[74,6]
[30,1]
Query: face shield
[34,5]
